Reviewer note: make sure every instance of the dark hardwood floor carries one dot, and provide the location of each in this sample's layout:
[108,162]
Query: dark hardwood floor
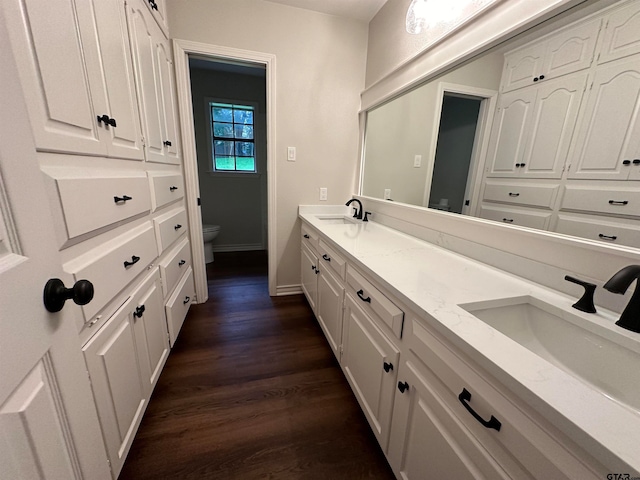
[251,390]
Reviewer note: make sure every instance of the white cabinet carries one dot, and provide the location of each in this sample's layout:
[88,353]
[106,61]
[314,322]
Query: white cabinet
[521,193]
[329,308]
[607,143]
[158,9]
[622,33]
[524,217]
[309,274]
[78,75]
[533,128]
[370,363]
[178,305]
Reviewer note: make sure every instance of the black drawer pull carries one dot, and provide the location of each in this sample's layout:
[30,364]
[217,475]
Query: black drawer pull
[493,422]
[186,300]
[541,77]
[361,296]
[626,162]
[607,237]
[403,386]
[181,262]
[306,236]
[107,120]
[171,189]
[618,202]
[139,311]
[153,4]
[514,194]
[167,143]
[387,366]
[535,79]
[123,199]
[177,227]
[507,220]
[133,261]
[316,270]
[636,161]
[518,165]
[326,257]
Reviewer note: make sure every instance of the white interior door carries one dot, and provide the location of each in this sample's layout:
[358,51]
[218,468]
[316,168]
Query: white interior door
[48,422]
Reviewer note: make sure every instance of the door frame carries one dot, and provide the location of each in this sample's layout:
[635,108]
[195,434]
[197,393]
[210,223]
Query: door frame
[181,51]
[488,104]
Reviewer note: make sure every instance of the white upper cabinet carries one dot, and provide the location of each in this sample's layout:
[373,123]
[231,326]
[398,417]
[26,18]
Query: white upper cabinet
[622,33]
[168,99]
[158,9]
[73,71]
[565,52]
[607,143]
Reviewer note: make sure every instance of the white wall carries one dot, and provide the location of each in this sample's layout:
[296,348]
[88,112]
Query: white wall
[235,202]
[320,69]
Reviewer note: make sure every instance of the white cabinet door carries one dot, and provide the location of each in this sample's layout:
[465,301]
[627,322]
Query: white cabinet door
[571,50]
[310,271]
[608,137]
[158,9]
[511,127]
[552,126]
[329,308]
[622,33]
[370,362]
[522,66]
[167,99]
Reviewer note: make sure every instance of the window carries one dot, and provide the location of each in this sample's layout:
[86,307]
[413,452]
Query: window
[232,128]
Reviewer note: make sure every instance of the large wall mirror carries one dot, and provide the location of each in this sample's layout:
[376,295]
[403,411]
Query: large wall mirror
[542,131]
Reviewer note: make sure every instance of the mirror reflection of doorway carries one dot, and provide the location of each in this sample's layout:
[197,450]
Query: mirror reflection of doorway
[454,151]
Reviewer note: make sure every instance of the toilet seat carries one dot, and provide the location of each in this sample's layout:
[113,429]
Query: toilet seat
[210,228]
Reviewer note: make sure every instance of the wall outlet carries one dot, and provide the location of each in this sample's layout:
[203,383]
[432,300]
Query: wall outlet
[417,161]
[323,193]
[387,193]
[291,154]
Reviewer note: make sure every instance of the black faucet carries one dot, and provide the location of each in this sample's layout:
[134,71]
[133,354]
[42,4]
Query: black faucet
[630,318]
[358,211]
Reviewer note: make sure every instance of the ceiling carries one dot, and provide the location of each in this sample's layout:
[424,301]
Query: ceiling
[363,10]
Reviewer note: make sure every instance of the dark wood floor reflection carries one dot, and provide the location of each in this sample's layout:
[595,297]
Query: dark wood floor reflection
[251,390]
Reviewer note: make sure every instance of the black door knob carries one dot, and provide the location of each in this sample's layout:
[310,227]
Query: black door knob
[55,294]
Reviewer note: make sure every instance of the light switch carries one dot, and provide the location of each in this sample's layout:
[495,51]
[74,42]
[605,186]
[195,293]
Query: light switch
[417,161]
[291,154]
[323,193]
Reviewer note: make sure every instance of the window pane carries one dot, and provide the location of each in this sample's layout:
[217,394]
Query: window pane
[223,130]
[225,163]
[244,149]
[243,116]
[246,164]
[223,148]
[244,131]
[221,114]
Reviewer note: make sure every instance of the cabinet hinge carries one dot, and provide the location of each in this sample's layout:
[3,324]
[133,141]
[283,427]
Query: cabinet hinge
[591,86]
[142,140]
[568,168]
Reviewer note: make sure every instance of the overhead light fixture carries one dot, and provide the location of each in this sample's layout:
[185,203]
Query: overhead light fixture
[438,17]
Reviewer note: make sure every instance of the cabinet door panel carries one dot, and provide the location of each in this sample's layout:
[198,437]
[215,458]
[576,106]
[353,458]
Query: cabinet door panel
[571,50]
[622,34]
[167,102]
[609,132]
[309,276]
[522,66]
[330,296]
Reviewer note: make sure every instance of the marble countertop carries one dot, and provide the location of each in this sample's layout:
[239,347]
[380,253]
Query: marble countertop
[433,282]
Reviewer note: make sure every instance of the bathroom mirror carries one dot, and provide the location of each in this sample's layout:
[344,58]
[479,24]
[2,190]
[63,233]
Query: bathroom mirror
[438,145]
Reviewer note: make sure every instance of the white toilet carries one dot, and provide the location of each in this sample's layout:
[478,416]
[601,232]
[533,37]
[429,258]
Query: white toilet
[209,232]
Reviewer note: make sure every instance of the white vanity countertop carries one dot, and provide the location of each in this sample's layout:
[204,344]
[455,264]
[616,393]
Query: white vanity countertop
[434,281]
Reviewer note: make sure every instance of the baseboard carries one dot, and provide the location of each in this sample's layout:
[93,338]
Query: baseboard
[238,248]
[283,290]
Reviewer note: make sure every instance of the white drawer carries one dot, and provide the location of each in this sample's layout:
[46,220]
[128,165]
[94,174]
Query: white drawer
[374,302]
[514,216]
[165,189]
[521,194]
[328,257]
[178,305]
[113,265]
[310,238]
[89,203]
[174,265]
[617,201]
[600,229]
[169,227]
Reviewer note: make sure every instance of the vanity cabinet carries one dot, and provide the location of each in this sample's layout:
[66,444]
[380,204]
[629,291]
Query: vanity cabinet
[329,307]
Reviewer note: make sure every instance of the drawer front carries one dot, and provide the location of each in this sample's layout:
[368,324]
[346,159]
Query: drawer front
[327,257]
[169,227]
[114,265]
[521,194]
[512,216]
[374,302]
[174,265]
[178,305]
[599,229]
[617,201]
[310,238]
[165,189]
[90,203]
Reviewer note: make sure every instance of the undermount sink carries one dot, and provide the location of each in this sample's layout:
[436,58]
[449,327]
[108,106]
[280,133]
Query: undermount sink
[335,219]
[589,351]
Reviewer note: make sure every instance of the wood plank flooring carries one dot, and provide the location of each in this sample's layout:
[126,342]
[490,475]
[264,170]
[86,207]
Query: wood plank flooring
[251,390]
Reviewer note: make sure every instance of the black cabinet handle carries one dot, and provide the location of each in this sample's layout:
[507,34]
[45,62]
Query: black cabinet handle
[122,199]
[607,237]
[186,300]
[387,366]
[514,194]
[133,261]
[167,143]
[56,294]
[636,161]
[326,257]
[522,164]
[171,189]
[153,4]
[518,165]
[360,294]
[403,386]
[181,262]
[493,422]
[618,202]
[107,120]
[306,236]
[541,77]
[177,227]
[316,270]
[535,79]
[626,162]
[139,311]
[507,220]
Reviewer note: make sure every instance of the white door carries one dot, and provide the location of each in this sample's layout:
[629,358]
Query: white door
[48,422]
